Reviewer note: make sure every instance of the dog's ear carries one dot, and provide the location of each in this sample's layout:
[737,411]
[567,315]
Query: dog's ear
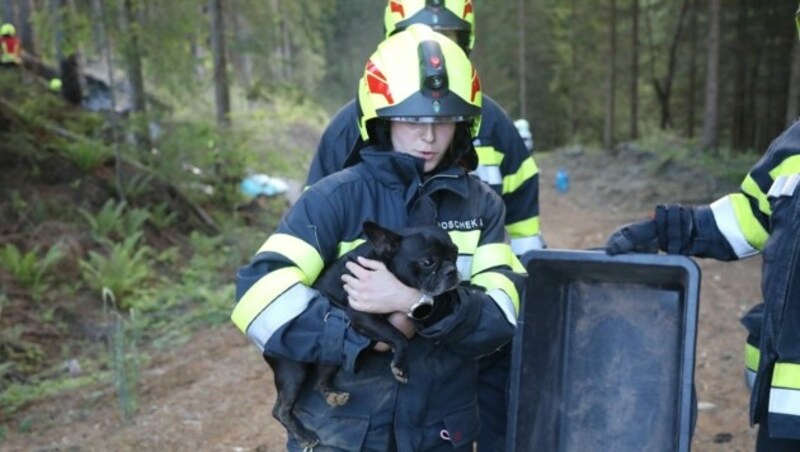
[384,241]
[423,213]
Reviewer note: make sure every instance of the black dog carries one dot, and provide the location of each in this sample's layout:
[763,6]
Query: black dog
[422,257]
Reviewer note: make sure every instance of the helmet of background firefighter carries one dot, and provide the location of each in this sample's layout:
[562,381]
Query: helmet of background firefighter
[7,30]
[455,18]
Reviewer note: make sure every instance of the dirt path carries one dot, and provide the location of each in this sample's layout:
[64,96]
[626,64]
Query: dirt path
[215,392]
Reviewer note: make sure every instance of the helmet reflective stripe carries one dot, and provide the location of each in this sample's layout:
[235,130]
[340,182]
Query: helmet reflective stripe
[441,15]
[421,76]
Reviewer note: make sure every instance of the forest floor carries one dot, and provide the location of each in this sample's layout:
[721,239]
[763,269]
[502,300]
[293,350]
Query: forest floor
[215,392]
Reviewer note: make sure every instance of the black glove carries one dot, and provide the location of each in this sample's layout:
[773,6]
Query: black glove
[639,237]
[675,228]
[671,230]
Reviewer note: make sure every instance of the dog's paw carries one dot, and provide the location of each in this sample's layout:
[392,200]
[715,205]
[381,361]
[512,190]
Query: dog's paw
[399,374]
[337,398]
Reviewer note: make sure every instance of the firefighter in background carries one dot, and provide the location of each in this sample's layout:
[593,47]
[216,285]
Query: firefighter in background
[10,46]
[504,163]
[764,217]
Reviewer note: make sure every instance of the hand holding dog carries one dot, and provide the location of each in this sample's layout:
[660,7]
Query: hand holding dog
[372,288]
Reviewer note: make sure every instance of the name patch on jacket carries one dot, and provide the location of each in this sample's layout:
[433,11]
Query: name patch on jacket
[462,225]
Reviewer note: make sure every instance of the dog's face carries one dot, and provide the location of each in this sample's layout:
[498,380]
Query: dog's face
[422,257]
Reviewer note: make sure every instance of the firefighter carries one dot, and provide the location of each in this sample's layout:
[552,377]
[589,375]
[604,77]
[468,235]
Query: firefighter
[419,96]
[504,163]
[9,46]
[503,160]
[763,217]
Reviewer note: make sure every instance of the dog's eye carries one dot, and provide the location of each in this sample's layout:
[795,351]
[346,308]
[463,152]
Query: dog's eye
[428,262]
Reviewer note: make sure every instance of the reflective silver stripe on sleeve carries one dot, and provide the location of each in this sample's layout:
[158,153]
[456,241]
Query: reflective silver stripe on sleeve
[784,401]
[725,217]
[749,378]
[783,186]
[504,302]
[464,265]
[489,174]
[521,245]
[283,309]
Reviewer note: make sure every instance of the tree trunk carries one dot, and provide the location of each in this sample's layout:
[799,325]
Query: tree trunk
[740,117]
[133,56]
[793,97]
[9,12]
[634,94]
[608,136]
[55,10]
[710,138]
[77,47]
[574,83]
[25,27]
[221,89]
[99,35]
[104,45]
[663,86]
[242,60]
[692,101]
[521,65]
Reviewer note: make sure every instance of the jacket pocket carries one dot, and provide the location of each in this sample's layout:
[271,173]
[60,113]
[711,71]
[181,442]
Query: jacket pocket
[338,432]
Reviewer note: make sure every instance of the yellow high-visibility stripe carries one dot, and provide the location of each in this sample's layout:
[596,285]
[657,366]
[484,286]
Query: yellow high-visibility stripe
[789,166]
[466,241]
[488,156]
[298,251]
[751,356]
[750,187]
[524,228]
[346,247]
[492,255]
[527,170]
[754,233]
[786,375]
[492,280]
[262,293]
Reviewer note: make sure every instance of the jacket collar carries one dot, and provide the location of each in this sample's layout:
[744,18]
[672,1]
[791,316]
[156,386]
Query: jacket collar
[399,170]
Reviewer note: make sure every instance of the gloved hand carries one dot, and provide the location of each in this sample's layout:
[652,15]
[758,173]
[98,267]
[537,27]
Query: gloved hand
[641,237]
[671,230]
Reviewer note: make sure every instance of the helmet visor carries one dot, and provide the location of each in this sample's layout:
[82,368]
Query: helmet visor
[429,119]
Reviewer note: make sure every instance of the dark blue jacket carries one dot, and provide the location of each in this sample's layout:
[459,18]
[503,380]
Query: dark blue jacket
[504,163]
[765,217]
[285,318]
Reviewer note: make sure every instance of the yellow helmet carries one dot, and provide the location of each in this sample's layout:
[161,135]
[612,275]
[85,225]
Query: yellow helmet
[7,30]
[421,76]
[441,15]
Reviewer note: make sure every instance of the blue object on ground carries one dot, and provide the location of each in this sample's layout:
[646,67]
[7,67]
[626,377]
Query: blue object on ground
[261,184]
[562,180]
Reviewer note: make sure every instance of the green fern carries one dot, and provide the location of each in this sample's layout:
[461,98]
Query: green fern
[121,269]
[161,217]
[31,269]
[106,221]
[85,155]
